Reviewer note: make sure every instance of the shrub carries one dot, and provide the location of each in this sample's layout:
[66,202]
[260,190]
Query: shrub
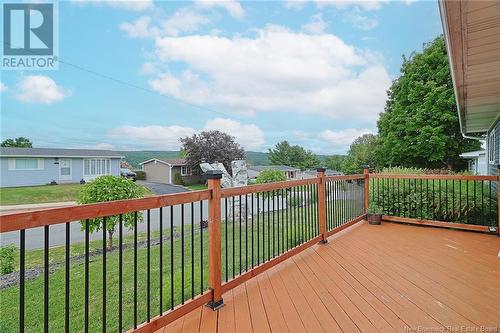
[140,174]
[270,176]
[470,202]
[110,188]
[7,259]
[178,179]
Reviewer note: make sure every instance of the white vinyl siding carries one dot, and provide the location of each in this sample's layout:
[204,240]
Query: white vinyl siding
[94,167]
[185,171]
[26,164]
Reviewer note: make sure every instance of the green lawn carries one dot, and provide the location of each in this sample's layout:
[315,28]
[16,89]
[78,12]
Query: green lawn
[43,194]
[238,250]
[196,187]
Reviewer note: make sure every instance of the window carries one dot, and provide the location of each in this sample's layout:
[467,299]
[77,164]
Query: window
[492,151]
[96,167]
[185,171]
[25,164]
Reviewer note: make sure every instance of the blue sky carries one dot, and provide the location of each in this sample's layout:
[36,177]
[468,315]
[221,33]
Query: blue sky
[141,74]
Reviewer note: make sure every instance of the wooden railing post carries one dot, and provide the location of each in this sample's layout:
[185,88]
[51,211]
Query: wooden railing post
[498,198]
[214,239]
[366,173]
[322,205]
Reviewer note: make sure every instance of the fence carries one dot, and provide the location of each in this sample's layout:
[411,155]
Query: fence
[177,252]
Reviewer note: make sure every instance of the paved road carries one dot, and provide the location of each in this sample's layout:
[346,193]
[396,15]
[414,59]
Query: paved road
[158,188]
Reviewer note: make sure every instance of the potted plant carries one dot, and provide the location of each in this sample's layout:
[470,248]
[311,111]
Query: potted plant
[374,214]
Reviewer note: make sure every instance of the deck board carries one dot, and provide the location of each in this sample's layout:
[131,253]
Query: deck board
[386,278]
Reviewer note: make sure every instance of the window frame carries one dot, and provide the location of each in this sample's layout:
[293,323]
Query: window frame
[39,164]
[183,170]
[492,149]
[96,167]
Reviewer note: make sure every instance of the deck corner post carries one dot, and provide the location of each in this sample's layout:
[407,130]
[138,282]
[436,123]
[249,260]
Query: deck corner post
[498,198]
[322,205]
[366,193]
[214,238]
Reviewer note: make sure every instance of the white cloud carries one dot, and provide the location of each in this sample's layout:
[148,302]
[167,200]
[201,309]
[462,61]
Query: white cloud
[301,135]
[368,5]
[231,6]
[133,5]
[277,70]
[40,89]
[341,140]
[103,145]
[184,20]
[167,137]
[249,136]
[3,87]
[295,4]
[316,26]
[359,20]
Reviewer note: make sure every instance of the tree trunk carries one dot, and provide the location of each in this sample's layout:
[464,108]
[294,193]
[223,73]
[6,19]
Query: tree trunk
[110,240]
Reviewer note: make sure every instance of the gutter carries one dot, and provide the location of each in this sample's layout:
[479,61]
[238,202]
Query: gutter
[450,60]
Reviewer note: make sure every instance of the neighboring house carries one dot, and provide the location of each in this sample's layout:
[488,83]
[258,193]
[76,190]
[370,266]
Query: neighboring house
[255,170]
[164,171]
[40,166]
[471,34]
[311,173]
[476,161]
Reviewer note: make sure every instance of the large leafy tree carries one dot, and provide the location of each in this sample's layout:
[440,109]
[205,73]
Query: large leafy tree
[334,162]
[295,156]
[420,127]
[361,152]
[210,147]
[20,142]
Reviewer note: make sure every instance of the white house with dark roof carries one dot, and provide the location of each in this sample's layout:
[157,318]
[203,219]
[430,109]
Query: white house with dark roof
[41,166]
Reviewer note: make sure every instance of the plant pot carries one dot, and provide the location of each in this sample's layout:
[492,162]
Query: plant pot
[374,218]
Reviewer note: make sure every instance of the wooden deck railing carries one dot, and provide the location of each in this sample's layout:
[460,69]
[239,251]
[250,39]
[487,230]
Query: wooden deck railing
[200,244]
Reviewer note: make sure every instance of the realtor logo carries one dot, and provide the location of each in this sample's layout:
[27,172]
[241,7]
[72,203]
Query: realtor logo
[29,36]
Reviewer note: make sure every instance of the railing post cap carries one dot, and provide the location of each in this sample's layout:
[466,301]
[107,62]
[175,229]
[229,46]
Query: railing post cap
[212,174]
[365,166]
[321,169]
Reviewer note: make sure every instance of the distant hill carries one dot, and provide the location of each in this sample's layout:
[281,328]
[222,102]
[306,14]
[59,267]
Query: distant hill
[136,157]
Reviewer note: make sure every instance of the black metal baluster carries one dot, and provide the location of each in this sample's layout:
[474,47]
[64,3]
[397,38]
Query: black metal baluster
[183,271]
[161,260]
[273,231]
[268,225]
[475,200]
[104,250]
[192,250]
[148,263]
[234,245]
[135,269]
[258,236]
[253,217]
[482,200]
[120,272]
[202,288]
[67,282]
[239,219]
[226,249]
[86,287]
[246,232]
[467,198]
[46,280]
[22,269]
[172,302]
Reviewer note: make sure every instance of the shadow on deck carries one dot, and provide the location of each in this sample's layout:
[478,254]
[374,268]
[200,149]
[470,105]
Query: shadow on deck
[388,278]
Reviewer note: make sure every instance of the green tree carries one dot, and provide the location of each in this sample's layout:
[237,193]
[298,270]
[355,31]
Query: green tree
[110,188]
[20,142]
[295,156]
[334,162]
[361,152]
[270,176]
[419,127]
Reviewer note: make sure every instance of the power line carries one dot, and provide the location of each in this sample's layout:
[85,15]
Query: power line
[131,85]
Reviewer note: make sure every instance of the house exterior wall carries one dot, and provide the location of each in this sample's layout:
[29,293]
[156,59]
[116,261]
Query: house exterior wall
[493,168]
[157,172]
[47,174]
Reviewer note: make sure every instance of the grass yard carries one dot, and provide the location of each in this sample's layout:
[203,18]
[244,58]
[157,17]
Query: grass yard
[237,247]
[43,194]
[196,187]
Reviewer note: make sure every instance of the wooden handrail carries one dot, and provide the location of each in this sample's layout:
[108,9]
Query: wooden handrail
[344,177]
[437,177]
[39,218]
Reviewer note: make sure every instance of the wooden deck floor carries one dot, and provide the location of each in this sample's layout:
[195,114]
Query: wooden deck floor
[388,278]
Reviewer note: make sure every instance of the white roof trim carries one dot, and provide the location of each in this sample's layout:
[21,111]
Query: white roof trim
[154,159]
[471,154]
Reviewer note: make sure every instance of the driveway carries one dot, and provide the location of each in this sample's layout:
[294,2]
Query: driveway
[158,188]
